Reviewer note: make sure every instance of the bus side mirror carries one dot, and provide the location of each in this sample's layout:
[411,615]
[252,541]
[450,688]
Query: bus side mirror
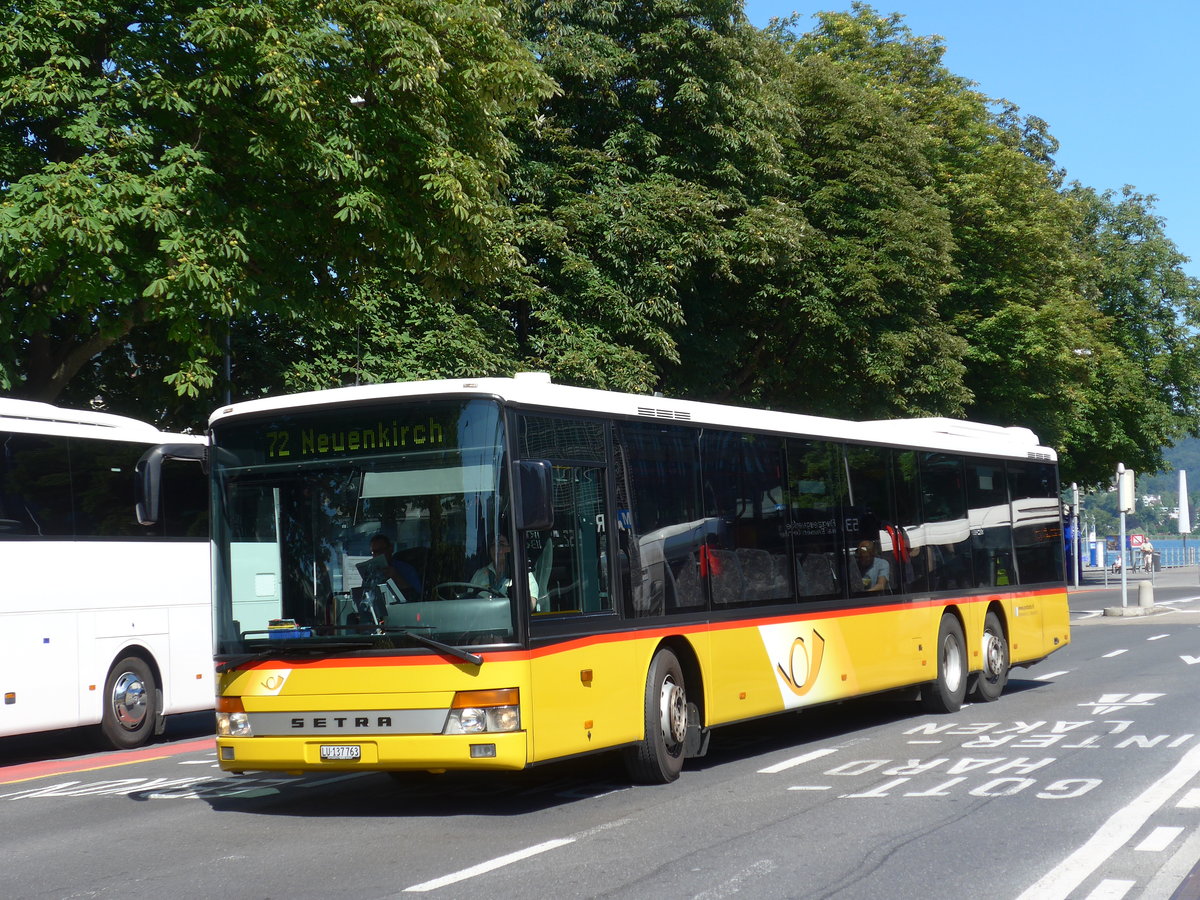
[148,476]
[535,494]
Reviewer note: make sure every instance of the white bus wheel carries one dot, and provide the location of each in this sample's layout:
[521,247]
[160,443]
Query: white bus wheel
[130,704]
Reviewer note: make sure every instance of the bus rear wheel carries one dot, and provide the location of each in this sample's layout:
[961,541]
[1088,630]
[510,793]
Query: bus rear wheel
[658,757]
[130,704]
[946,694]
[989,683]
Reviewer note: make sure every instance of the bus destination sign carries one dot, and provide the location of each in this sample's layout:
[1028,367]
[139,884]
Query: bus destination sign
[308,442]
[308,438]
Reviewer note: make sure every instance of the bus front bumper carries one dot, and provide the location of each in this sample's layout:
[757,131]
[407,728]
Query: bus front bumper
[395,753]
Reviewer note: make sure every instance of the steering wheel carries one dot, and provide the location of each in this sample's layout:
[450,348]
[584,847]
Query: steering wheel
[457,590]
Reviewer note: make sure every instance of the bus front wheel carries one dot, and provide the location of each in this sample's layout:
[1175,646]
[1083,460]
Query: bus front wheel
[946,694]
[658,757]
[130,704]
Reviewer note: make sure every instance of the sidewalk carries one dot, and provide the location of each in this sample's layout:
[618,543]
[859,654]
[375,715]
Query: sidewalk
[1178,576]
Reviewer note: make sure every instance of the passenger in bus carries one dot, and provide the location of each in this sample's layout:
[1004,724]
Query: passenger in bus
[950,569]
[873,572]
[398,570]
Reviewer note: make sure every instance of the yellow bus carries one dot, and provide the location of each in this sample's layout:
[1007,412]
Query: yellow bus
[494,573]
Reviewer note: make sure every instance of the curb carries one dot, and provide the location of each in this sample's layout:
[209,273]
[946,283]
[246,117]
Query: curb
[1130,611]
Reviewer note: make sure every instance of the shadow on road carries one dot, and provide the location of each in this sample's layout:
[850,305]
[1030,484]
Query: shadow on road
[70,742]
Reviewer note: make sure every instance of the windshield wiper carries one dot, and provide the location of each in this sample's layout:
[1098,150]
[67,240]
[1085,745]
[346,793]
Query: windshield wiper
[345,642]
[457,652]
[309,647]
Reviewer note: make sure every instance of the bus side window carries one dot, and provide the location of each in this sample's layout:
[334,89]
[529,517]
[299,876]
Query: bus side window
[944,515]
[658,478]
[991,523]
[816,499]
[1037,523]
[102,476]
[871,508]
[35,486]
[568,563]
[744,545]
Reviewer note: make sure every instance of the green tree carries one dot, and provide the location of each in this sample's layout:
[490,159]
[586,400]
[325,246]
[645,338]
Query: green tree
[629,179]
[1073,309]
[185,165]
[1144,387]
[398,332]
[832,301]
[701,212]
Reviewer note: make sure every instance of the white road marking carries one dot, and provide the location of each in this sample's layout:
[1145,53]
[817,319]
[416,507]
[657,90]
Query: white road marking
[490,865]
[499,862]
[1191,800]
[1050,675]
[810,787]
[795,761]
[1120,828]
[1159,839]
[1157,637]
[735,884]
[1114,653]
[1110,889]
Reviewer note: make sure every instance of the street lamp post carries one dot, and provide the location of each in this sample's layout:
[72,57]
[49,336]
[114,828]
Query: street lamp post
[1076,543]
[1125,503]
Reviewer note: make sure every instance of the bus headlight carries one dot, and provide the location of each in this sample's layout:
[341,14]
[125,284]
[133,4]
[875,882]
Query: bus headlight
[471,720]
[477,712]
[233,724]
[504,718]
[232,720]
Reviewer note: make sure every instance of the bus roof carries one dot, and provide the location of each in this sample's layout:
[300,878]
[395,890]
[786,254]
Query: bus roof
[536,390]
[32,417]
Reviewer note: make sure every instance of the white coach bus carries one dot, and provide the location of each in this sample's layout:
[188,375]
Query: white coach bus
[103,621]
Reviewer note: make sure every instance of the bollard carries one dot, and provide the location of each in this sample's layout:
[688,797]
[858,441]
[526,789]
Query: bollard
[1145,594]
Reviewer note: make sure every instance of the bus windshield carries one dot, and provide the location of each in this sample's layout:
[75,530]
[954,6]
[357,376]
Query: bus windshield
[374,526]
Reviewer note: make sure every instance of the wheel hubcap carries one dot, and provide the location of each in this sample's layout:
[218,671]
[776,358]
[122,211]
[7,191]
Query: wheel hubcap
[673,712]
[129,701]
[993,655]
[951,663]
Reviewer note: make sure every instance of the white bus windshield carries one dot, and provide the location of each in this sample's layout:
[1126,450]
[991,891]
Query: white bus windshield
[363,527]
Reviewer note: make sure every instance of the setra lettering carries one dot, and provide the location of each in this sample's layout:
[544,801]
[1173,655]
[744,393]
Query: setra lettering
[318,723]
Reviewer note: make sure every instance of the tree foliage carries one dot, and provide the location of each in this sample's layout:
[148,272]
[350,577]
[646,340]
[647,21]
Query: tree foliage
[1049,287]
[628,179]
[649,195]
[757,230]
[185,164]
[1144,378]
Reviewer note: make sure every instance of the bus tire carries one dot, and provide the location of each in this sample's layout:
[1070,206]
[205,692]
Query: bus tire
[658,757]
[989,683]
[947,692]
[130,704]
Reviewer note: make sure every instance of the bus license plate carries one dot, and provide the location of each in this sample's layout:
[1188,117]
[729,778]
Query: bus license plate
[341,751]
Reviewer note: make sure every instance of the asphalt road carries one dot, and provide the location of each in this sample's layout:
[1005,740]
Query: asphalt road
[1082,781]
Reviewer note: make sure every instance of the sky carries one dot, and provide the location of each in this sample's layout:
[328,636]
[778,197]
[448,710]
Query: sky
[1115,82]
